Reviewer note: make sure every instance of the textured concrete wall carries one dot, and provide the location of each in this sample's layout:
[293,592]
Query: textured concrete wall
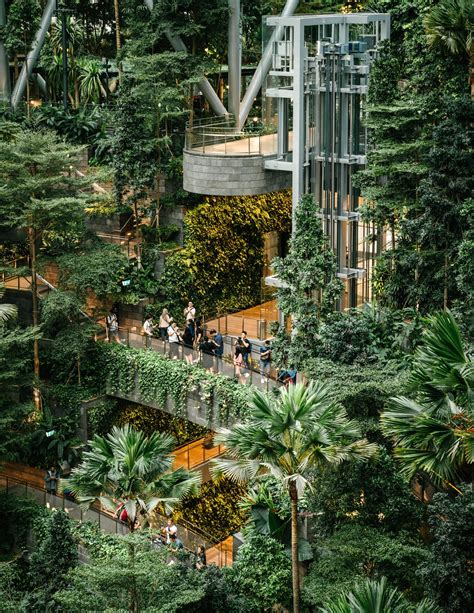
[231,175]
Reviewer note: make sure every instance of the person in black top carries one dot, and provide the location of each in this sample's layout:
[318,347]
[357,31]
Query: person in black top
[246,349]
[188,340]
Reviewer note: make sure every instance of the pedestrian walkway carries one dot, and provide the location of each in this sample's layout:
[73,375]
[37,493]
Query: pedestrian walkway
[26,481]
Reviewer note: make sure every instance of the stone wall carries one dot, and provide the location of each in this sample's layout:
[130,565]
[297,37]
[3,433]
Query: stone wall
[221,175]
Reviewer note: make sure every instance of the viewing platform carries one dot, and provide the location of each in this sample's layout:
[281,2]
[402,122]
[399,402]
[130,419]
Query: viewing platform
[220,160]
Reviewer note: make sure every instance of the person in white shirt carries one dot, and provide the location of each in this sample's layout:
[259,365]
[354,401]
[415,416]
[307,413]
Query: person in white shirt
[148,328]
[174,338]
[190,312]
[170,529]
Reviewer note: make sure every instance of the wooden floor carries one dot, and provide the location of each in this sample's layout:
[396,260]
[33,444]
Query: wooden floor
[195,453]
[221,554]
[255,321]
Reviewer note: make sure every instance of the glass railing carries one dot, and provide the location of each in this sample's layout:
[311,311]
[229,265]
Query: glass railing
[220,136]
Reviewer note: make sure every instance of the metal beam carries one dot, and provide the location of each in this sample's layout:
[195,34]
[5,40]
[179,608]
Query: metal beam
[207,90]
[33,55]
[264,65]
[4,66]
[234,59]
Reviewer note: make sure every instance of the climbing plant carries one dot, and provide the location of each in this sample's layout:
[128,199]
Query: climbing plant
[156,378]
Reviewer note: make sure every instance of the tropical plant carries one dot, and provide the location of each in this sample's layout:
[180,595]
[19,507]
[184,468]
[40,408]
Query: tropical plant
[261,574]
[37,195]
[376,597]
[446,573]
[451,24]
[126,470]
[434,431]
[300,429]
[309,286]
[7,311]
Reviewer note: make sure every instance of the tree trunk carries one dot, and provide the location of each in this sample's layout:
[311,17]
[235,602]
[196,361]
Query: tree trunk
[138,235]
[294,547]
[118,44]
[445,292]
[34,300]
[133,605]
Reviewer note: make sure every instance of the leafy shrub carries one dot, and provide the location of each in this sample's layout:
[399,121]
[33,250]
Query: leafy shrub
[362,390]
[215,510]
[347,338]
[354,553]
[101,416]
[149,420]
[370,494]
[261,574]
[17,516]
[447,572]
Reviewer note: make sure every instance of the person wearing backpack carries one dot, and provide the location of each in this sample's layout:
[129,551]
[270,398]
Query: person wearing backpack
[111,323]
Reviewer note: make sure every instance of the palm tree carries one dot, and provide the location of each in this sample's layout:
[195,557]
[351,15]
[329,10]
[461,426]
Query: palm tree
[302,429]
[127,470]
[434,432]
[376,597]
[451,24]
[7,311]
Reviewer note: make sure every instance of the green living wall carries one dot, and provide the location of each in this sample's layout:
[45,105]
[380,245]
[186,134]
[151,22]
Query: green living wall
[220,266]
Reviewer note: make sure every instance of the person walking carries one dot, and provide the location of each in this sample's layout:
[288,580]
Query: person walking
[170,529]
[238,361]
[165,322]
[190,312]
[201,561]
[246,349]
[207,352]
[174,339]
[112,327]
[51,480]
[148,329]
[188,341]
[265,361]
[218,344]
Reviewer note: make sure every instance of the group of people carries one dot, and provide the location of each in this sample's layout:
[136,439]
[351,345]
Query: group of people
[193,337]
[243,358]
[169,537]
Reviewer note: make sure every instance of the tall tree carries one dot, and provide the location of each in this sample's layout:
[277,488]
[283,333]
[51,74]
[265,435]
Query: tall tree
[126,469]
[309,286]
[302,429]
[434,431]
[39,195]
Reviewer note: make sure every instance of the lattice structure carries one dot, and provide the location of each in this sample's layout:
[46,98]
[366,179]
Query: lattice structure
[315,93]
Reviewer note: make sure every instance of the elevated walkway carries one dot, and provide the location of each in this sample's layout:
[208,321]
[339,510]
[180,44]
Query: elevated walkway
[220,160]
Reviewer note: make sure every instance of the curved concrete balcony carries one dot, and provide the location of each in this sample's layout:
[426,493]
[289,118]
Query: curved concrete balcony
[220,160]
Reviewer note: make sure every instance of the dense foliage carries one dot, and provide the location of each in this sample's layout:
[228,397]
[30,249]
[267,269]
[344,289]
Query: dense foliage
[220,266]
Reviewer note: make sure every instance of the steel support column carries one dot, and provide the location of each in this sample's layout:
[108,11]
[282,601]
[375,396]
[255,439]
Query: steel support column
[207,90]
[299,55]
[234,59]
[264,65]
[4,66]
[33,55]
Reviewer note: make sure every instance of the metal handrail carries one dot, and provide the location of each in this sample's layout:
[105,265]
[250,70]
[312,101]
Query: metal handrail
[120,527]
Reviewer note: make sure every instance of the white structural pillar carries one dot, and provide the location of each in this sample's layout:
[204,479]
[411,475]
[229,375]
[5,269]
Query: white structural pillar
[234,59]
[4,66]
[33,55]
[264,65]
[207,90]
[299,54]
